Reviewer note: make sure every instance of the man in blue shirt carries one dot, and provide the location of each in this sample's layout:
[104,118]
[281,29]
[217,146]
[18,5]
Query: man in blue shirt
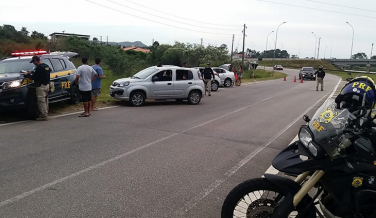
[96,90]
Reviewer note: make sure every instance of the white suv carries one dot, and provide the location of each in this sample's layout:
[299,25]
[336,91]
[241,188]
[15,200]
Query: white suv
[227,77]
[160,83]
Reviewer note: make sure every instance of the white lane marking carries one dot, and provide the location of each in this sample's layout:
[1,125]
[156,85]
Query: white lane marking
[7,124]
[187,206]
[271,169]
[62,115]
[41,188]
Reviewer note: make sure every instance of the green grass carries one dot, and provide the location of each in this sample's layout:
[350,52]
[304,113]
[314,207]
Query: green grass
[261,75]
[299,63]
[344,75]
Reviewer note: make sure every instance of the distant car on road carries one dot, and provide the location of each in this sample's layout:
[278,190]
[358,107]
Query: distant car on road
[160,83]
[227,77]
[307,73]
[278,67]
[215,83]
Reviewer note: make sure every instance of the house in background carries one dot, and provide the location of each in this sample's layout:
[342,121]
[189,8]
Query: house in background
[55,37]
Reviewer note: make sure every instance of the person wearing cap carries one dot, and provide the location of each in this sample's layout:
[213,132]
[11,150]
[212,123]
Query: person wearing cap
[320,74]
[41,77]
[208,74]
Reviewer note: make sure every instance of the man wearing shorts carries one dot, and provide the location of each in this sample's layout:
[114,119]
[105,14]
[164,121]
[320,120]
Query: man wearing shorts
[85,77]
[96,86]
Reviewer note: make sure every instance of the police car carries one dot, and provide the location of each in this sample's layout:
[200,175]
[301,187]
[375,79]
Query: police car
[19,92]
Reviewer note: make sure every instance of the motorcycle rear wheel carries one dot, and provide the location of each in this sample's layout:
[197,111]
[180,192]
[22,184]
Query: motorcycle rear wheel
[258,198]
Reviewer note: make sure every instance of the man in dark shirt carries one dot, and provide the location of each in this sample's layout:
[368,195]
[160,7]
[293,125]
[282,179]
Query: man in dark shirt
[320,74]
[208,74]
[41,77]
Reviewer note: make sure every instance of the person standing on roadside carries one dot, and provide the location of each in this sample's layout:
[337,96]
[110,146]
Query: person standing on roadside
[96,86]
[208,74]
[41,77]
[235,71]
[85,76]
[320,74]
[240,75]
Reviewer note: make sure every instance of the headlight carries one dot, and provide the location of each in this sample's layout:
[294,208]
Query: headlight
[122,84]
[305,137]
[14,84]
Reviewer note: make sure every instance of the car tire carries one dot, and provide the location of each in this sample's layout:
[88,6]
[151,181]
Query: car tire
[75,95]
[214,86]
[32,110]
[194,97]
[227,82]
[137,99]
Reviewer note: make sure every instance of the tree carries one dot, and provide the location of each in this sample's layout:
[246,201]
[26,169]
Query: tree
[37,35]
[359,55]
[24,31]
[373,57]
[95,40]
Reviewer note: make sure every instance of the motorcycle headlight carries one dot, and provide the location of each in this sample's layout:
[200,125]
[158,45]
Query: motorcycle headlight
[305,137]
[122,84]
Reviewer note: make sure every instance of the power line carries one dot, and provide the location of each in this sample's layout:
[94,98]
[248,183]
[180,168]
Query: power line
[324,10]
[166,18]
[343,6]
[156,21]
[183,17]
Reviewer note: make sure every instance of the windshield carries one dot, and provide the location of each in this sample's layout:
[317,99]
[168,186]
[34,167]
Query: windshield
[327,125]
[308,69]
[15,66]
[144,73]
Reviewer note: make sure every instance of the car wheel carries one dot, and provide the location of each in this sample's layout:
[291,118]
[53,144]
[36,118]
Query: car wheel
[75,95]
[194,97]
[137,99]
[32,111]
[227,82]
[214,86]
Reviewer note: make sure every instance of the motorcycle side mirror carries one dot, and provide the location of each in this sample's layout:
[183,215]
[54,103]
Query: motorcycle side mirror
[306,118]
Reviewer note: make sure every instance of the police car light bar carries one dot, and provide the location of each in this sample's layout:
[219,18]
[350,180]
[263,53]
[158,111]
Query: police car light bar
[28,53]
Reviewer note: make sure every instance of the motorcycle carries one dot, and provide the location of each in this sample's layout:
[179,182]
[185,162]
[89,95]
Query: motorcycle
[329,172]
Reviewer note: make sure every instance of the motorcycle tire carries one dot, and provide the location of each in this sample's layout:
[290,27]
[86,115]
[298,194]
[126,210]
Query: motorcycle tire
[250,199]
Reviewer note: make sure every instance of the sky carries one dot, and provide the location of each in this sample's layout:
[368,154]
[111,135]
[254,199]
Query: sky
[213,21]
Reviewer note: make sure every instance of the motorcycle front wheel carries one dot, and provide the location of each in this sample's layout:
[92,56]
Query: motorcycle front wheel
[258,198]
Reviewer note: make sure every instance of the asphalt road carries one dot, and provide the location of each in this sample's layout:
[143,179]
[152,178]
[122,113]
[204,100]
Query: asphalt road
[166,159]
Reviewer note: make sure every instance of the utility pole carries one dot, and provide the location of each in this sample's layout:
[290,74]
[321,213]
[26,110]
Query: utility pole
[318,49]
[201,41]
[371,51]
[232,46]
[107,40]
[243,44]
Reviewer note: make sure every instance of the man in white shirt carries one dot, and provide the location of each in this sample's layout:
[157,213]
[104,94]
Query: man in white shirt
[85,75]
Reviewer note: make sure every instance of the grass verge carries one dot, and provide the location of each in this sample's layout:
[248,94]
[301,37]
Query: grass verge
[261,75]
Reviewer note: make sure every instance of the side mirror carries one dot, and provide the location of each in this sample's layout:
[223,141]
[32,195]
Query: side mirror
[154,78]
[306,118]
